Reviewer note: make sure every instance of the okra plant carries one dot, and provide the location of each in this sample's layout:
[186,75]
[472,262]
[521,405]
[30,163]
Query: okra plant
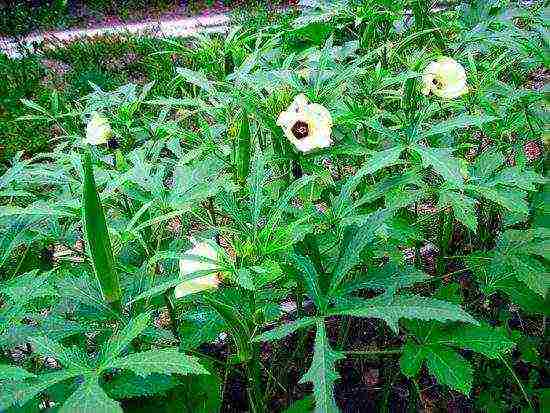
[365,161]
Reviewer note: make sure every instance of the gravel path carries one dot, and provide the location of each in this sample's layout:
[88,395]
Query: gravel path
[16,48]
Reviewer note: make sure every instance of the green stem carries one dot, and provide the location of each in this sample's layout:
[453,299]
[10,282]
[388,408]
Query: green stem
[212,211]
[419,393]
[374,352]
[172,312]
[445,238]
[518,381]
[343,336]
[254,382]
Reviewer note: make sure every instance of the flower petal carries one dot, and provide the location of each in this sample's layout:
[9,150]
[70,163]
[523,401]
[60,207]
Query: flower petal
[98,130]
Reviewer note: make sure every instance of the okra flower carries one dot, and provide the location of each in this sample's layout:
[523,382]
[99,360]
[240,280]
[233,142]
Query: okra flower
[446,78]
[189,266]
[306,125]
[98,130]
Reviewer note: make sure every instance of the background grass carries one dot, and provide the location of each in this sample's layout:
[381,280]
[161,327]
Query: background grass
[26,16]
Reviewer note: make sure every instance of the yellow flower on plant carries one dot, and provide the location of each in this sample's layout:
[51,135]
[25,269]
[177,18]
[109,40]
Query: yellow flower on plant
[446,78]
[98,130]
[189,266]
[307,125]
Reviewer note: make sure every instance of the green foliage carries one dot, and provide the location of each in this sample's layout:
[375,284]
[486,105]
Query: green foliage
[97,237]
[443,362]
[322,372]
[423,220]
[405,306]
[518,256]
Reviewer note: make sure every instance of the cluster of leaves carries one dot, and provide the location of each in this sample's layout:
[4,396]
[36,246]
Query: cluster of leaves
[327,229]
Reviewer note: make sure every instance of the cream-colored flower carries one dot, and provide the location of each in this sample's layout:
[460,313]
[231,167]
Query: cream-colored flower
[304,73]
[98,130]
[307,125]
[446,78]
[189,266]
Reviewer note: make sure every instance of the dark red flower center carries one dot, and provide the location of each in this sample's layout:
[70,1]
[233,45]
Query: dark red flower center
[300,130]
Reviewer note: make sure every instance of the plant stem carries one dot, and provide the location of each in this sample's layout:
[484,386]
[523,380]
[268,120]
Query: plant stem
[445,238]
[254,383]
[518,381]
[211,211]
[374,352]
[344,334]
[172,312]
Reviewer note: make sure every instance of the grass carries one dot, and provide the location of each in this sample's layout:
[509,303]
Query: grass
[23,17]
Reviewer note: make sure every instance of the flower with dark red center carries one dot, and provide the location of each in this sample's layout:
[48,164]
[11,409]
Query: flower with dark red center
[306,125]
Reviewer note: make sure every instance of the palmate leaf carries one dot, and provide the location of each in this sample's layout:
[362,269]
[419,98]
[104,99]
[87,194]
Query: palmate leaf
[236,323]
[514,177]
[463,207]
[97,236]
[441,160]
[491,342]
[85,290]
[322,372]
[196,78]
[165,361]
[493,275]
[356,238]
[376,162]
[13,235]
[434,342]
[19,393]
[307,276]
[128,385]
[199,325]
[449,367]
[28,286]
[292,191]
[199,394]
[530,271]
[381,188]
[445,364]
[89,397]
[460,122]
[514,255]
[390,278]
[404,306]
[512,200]
[411,359]
[286,329]
[69,358]
[14,373]
[118,342]
[37,209]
